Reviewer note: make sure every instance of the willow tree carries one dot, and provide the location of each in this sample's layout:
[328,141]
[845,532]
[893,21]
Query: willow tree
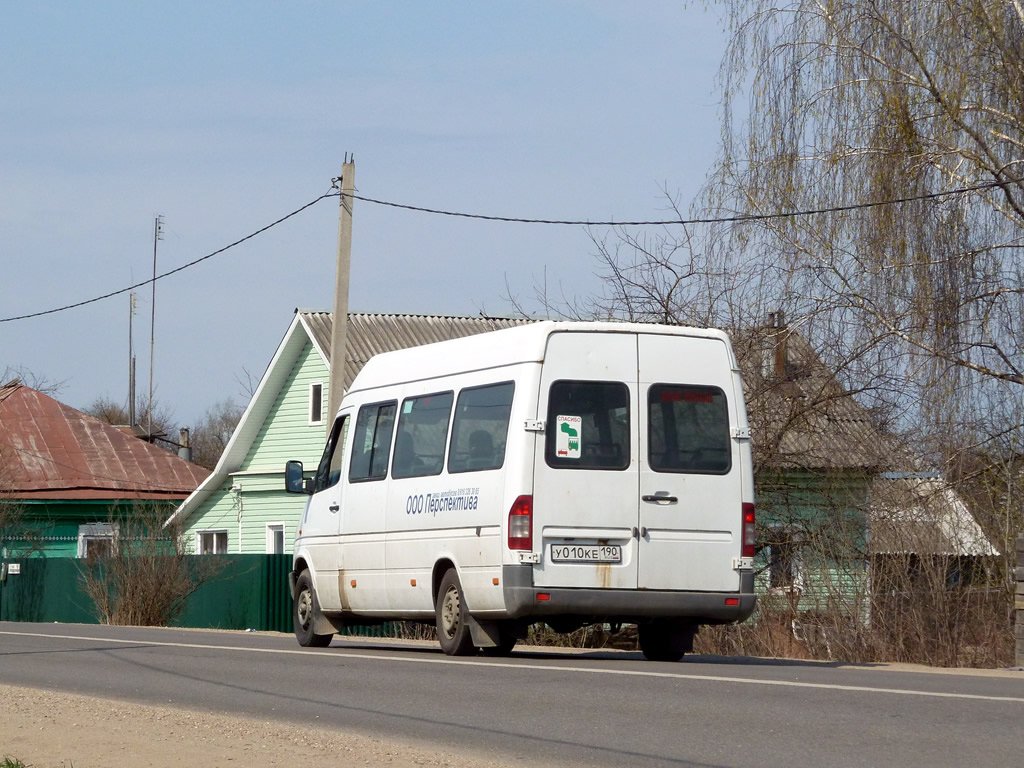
[846,104]
[901,122]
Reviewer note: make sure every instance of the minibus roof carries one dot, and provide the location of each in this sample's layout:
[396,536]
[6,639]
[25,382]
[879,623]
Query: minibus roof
[496,349]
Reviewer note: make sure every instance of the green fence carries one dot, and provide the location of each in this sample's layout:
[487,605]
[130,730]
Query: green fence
[247,592]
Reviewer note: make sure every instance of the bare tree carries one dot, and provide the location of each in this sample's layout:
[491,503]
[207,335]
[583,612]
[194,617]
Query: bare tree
[19,537]
[209,437]
[163,423]
[21,375]
[858,101]
[147,574]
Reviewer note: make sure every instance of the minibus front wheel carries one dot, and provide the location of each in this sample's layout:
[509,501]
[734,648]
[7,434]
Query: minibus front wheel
[452,618]
[304,610]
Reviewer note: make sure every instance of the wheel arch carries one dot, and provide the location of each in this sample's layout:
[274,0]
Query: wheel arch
[441,567]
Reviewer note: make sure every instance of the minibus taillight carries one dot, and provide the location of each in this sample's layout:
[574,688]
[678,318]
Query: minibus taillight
[748,531]
[520,523]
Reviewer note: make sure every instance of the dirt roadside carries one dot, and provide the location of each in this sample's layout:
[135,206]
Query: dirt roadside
[46,729]
[49,729]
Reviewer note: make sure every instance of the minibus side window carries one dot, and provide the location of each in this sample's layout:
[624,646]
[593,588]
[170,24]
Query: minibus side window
[422,435]
[480,428]
[329,472]
[371,444]
[688,429]
[587,425]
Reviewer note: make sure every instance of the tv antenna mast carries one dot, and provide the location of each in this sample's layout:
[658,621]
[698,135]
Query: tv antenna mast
[158,234]
[131,360]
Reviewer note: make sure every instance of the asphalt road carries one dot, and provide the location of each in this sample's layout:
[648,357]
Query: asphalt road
[546,708]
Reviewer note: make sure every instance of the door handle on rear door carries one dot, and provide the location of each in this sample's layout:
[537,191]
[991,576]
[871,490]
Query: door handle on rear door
[334,507]
[659,498]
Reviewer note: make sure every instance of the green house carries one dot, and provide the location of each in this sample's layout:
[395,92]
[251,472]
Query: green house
[817,453]
[66,478]
[242,506]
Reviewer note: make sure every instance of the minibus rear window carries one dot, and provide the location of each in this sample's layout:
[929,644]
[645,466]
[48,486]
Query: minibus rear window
[371,444]
[480,428]
[688,429]
[587,425]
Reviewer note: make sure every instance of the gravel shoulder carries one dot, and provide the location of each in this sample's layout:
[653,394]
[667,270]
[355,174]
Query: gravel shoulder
[47,729]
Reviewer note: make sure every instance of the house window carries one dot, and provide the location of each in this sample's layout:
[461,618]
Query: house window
[275,539]
[785,562]
[316,403]
[212,542]
[96,540]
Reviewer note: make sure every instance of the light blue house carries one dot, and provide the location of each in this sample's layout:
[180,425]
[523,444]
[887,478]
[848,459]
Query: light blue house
[242,506]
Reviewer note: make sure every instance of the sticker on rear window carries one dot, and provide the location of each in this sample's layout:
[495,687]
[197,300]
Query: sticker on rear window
[567,436]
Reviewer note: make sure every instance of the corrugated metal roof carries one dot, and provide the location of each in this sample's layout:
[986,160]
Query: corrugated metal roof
[370,334]
[923,516]
[49,450]
[800,416]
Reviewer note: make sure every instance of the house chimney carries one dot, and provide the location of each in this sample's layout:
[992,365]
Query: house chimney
[779,336]
[184,450]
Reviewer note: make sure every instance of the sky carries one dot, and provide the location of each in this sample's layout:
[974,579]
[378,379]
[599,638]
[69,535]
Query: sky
[223,117]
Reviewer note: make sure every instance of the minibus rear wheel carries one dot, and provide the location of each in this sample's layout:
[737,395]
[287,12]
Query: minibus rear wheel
[452,617]
[304,610]
[506,641]
[666,640]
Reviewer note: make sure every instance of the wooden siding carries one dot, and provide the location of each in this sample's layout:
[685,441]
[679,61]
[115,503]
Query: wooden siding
[218,512]
[285,434]
[56,523]
[826,515]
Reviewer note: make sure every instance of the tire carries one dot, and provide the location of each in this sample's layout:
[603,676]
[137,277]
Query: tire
[506,642]
[451,615]
[304,611]
[666,640]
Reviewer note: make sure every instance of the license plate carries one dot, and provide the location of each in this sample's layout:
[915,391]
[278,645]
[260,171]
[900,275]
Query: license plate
[586,553]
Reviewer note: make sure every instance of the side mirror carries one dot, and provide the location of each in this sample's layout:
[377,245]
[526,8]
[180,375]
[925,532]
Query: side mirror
[293,480]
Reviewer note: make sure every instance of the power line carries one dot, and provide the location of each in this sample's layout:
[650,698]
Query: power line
[250,236]
[713,220]
[516,220]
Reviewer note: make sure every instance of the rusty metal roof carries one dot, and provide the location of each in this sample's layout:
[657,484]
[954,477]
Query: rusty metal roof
[370,334]
[49,450]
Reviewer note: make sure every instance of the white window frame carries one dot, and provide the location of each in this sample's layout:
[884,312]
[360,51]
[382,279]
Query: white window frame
[309,409]
[96,532]
[199,540]
[796,583]
[272,528]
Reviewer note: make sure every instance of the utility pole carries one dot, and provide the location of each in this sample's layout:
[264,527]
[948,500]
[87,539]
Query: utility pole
[158,231]
[339,327]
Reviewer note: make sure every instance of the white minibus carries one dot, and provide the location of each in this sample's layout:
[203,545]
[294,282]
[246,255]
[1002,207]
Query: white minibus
[559,472]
